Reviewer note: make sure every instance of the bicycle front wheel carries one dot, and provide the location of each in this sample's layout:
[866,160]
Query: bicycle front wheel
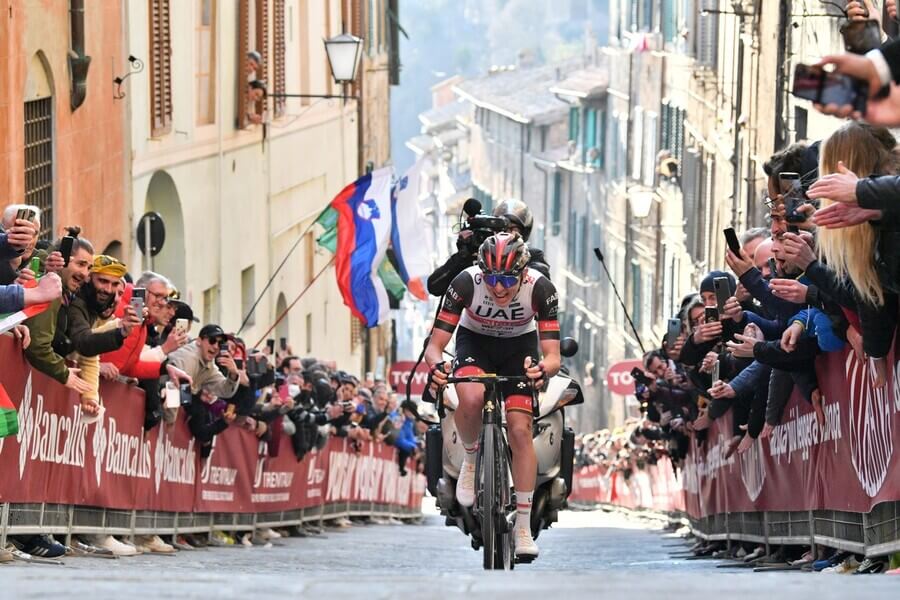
[495,530]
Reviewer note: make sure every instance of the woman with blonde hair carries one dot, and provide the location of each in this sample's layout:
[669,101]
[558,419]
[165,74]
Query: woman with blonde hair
[849,251]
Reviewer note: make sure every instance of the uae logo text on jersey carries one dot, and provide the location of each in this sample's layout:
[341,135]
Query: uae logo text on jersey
[513,312]
[871,441]
[368,210]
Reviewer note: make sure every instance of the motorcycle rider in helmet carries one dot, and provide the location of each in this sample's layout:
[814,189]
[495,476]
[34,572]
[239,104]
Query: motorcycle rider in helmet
[504,310]
[520,220]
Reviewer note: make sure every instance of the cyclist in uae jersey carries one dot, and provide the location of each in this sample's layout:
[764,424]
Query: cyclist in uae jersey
[504,311]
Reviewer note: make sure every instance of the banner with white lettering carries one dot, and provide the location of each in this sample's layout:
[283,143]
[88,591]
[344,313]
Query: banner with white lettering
[226,476]
[113,463]
[846,459]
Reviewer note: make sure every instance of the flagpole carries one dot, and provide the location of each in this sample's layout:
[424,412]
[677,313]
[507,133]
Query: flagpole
[283,262]
[297,299]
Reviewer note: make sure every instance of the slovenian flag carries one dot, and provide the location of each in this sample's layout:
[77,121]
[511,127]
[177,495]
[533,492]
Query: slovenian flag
[409,237]
[363,234]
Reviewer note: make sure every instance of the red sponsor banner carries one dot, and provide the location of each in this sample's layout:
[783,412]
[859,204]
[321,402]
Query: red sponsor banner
[399,374]
[113,463]
[655,487]
[849,464]
[369,475]
[619,379]
[224,481]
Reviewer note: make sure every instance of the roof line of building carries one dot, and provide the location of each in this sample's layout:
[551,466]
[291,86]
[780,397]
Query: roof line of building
[491,107]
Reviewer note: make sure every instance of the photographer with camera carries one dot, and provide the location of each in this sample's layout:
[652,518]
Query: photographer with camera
[312,404]
[512,216]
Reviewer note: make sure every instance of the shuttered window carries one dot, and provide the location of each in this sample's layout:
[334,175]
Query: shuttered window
[243,74]
[692,195]
[573,124]
[651,132]
[262,46]
[206,61]
[39,161]
[160,68]
[637,133]
[669,24]
[708,37]
[278,23]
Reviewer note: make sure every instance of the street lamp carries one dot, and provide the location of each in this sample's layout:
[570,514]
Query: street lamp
[343,55]
[641,202]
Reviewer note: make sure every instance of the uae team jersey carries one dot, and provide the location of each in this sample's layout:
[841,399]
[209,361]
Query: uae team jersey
[469,304]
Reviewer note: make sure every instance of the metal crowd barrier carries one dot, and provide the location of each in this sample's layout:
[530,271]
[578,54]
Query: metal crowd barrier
[876,533]
[67,520]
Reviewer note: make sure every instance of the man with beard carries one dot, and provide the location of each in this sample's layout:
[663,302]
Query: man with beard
[65,327]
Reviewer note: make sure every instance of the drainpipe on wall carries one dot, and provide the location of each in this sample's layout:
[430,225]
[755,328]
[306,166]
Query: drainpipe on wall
[78,62]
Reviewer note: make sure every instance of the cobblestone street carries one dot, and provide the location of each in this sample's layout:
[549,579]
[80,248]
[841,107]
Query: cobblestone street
[588,555]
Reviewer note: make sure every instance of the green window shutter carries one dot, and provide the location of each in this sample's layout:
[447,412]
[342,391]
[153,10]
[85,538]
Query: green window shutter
[573,124]
[668,21]
[590,128]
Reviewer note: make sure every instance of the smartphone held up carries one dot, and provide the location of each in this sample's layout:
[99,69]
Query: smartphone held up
[817,85]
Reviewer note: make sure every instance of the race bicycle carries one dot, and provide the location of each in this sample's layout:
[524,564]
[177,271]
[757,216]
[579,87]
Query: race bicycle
[495,502]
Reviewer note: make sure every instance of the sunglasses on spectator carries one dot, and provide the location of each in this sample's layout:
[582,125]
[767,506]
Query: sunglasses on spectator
[217,341]
[106,261]
[507,281]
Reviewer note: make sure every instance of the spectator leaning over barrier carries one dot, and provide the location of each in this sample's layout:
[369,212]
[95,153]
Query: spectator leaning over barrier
[97,297]
[859,150]
[207,418]
[18,238]
[201,360]
[49,342]
[25,234]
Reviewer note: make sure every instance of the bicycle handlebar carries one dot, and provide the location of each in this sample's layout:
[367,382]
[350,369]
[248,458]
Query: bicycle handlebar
[489,378]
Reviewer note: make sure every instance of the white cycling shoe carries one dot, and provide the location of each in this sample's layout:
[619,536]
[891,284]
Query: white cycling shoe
[526,549]
[465,487]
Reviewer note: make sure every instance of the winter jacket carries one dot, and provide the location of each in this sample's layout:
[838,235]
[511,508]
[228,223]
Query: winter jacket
[746,382]
[205,375]
[406,438]
[7,252]
[41,353]
[818,325]
[759,288]
[12,298]
[128,359]
[79,335]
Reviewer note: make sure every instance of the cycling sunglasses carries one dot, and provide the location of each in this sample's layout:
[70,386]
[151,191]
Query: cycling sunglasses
[507,281]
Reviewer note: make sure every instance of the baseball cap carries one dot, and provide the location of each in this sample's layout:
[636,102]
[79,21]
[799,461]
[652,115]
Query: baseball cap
[183,311]
[211,330]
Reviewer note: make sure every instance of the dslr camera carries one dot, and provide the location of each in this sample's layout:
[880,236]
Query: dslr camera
[640,378]
[481,225]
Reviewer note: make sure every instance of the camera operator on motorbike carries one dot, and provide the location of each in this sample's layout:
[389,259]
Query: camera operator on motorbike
[495,304]
[518,220]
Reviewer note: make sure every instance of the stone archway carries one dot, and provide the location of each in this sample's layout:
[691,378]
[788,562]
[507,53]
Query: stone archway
[162,198]
[114,249]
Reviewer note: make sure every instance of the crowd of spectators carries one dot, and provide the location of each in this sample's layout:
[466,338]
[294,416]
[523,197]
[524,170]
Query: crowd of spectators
[822,273]
[100,323]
